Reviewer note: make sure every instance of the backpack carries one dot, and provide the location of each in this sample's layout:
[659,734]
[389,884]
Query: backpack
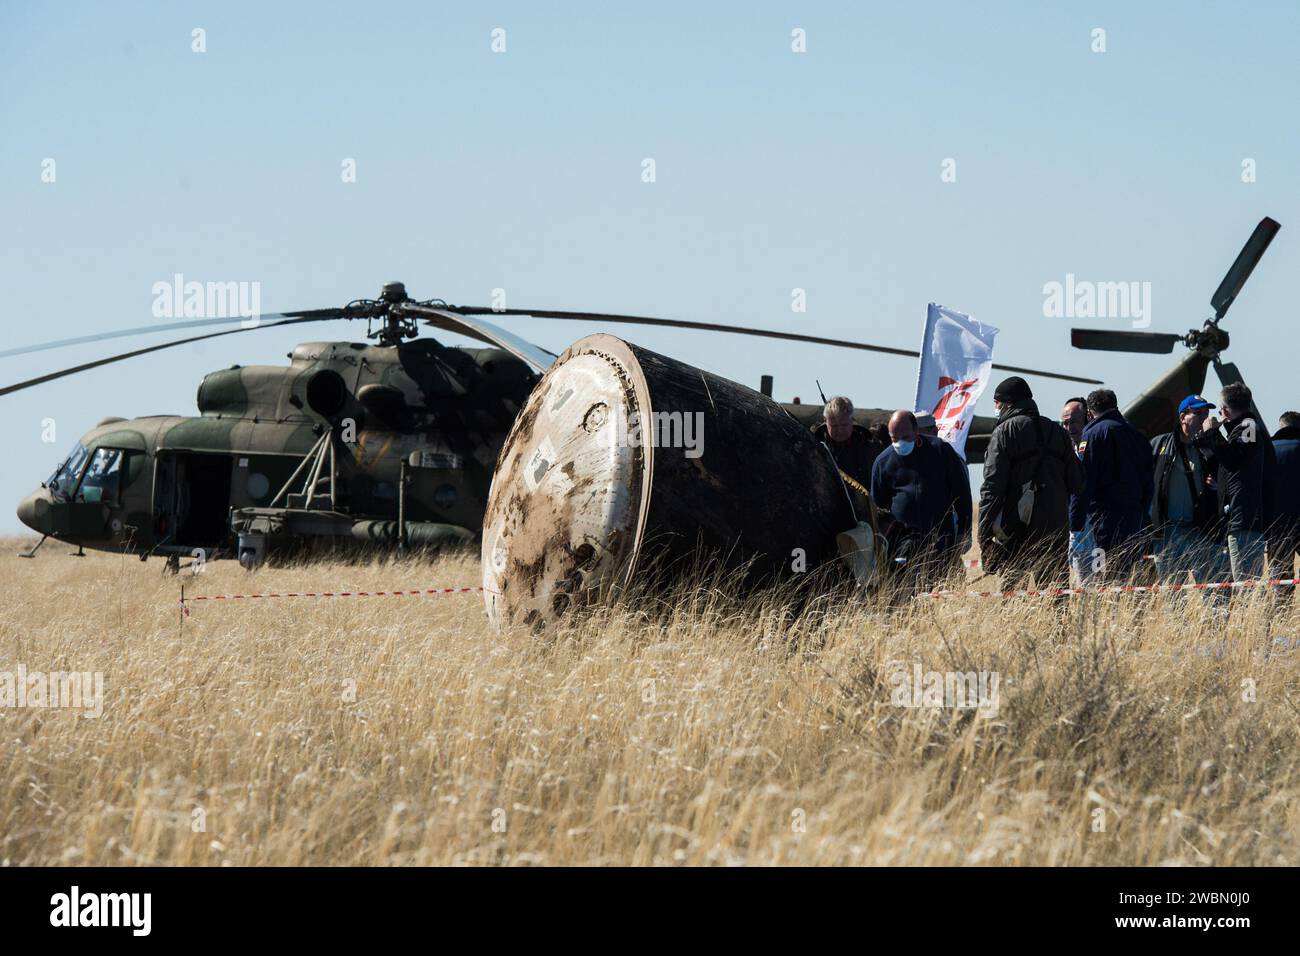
[1005,531]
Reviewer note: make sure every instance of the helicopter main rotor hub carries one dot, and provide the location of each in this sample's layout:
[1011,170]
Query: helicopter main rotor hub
[395,324]
[1209,340]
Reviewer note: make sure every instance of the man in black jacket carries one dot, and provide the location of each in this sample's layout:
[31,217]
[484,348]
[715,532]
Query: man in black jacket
[1028,455]
[852,446]
[1241,458]
[1184,510]
[1117,485]
[922,483]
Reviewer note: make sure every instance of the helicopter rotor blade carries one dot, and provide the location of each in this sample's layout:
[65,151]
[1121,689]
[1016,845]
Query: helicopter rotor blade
[87,366]
[449,320]
[1101,340]
[1229,374]
[273,317]
[738,330]
[1243,266]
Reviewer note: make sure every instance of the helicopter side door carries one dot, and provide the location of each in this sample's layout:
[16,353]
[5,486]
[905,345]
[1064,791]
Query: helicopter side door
[192,501]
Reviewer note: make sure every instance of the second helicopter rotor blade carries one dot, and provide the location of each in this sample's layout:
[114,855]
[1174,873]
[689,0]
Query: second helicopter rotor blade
[271,317]
[1229,374]
[739,330]
[450,320]
[87,366]
[1104,340]
[1243,266]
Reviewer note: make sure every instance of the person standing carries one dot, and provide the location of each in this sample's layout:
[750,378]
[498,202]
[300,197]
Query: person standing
[1074,416]
[1030,472]
[1284,534]
[1240,456]
[921,482]
[1118,485]
[1184,507]
[851,445]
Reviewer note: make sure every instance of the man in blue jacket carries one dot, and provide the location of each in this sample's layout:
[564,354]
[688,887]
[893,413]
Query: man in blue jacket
[922,483]
[1284,535]
[1118,485]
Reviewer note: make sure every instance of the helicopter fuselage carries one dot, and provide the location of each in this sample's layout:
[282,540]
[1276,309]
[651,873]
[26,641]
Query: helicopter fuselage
[169,484]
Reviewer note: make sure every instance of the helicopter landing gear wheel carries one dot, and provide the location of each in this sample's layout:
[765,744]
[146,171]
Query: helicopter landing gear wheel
[252,551]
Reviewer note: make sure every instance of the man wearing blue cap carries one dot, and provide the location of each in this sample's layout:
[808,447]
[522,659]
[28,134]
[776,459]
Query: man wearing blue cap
[1184,509]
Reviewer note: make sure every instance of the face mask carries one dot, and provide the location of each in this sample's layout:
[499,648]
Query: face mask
[904,448]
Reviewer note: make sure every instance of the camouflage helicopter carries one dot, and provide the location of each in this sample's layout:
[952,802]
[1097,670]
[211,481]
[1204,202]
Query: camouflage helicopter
[1155,409]
[385,444]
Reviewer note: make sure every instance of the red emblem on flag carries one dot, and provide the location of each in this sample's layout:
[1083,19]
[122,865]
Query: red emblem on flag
[955,396]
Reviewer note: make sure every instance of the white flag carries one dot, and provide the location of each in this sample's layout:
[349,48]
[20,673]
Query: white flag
[956,358]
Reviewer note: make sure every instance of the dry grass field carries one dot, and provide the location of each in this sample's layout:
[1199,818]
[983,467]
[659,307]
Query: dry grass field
[1135,730]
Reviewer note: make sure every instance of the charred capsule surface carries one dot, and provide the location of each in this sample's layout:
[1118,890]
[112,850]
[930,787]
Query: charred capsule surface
[625,460]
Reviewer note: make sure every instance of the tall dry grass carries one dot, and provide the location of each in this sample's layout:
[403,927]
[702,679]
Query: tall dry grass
[699,730]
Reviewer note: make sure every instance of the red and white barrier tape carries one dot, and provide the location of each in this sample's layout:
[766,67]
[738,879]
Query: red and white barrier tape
[1116,589]
[321,594]
[975,562]
[1048,592]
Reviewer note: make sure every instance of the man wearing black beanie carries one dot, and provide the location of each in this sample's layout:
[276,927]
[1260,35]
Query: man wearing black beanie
[1030,472]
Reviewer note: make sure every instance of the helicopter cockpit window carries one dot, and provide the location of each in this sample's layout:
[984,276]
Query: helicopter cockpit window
[103,477]
[65,476]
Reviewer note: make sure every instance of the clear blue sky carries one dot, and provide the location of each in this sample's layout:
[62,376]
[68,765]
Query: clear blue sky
[522,171]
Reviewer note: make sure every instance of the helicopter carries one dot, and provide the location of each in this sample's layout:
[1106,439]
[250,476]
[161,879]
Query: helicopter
[394,444]
[1155,409]
[344,443]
